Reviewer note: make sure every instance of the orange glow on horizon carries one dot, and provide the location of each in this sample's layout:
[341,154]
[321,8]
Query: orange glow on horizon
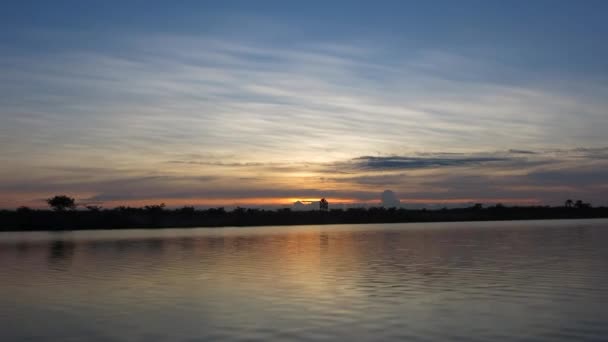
[329,199]
[37,201]
[272,201]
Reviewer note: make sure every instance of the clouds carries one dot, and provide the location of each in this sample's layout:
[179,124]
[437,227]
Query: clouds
[164,93]
[401,162]
[389,199]
[422,178]
[512,177]
[150,113]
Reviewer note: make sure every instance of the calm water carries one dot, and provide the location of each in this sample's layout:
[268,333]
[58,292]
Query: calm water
[490,281]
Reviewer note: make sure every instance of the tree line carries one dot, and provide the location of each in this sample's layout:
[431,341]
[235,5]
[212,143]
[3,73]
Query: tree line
[64,215]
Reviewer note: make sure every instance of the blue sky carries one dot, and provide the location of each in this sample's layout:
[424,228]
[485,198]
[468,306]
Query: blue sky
[259,103]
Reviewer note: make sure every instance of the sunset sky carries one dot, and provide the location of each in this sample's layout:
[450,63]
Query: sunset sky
[262,103]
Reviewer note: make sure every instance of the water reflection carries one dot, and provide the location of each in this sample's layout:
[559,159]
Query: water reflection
[490,281]
[187,243]
[61,252]
[22,247]
[154,246]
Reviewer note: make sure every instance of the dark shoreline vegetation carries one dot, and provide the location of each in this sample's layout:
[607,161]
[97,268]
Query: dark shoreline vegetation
[157,216]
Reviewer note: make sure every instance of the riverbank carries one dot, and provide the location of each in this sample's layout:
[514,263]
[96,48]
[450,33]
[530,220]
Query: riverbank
[129,218]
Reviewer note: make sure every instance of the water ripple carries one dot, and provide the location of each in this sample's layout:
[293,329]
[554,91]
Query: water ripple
[486,281]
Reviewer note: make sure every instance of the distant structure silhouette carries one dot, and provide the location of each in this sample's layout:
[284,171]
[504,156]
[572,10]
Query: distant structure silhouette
[305,205]
[298,205]
[581,205]
[389,199]
[323,205]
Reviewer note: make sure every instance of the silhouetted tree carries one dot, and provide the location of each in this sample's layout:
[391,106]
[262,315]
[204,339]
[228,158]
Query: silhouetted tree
[239,211]
[155,208]
[61,203]
[188,210]
[24,210]
[220,211]
[323,205]
[568,203]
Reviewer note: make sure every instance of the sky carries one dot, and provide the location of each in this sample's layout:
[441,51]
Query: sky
[264,103]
